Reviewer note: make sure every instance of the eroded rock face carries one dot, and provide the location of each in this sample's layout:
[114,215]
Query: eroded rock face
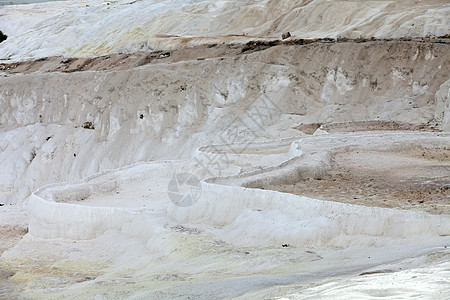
[442,115]
[163,110]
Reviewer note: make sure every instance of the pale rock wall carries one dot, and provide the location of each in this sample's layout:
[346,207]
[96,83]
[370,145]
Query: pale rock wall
[442,114]
[168,110]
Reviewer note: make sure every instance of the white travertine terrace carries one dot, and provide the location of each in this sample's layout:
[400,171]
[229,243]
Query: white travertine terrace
[88,158]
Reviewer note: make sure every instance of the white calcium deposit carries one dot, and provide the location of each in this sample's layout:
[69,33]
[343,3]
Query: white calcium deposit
[100,207]
[93,28]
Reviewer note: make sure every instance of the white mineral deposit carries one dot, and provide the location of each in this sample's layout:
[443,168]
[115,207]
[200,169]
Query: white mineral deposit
[187,149]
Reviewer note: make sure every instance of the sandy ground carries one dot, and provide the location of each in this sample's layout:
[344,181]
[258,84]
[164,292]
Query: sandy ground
[414,177]
[13,226]
[411,179]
